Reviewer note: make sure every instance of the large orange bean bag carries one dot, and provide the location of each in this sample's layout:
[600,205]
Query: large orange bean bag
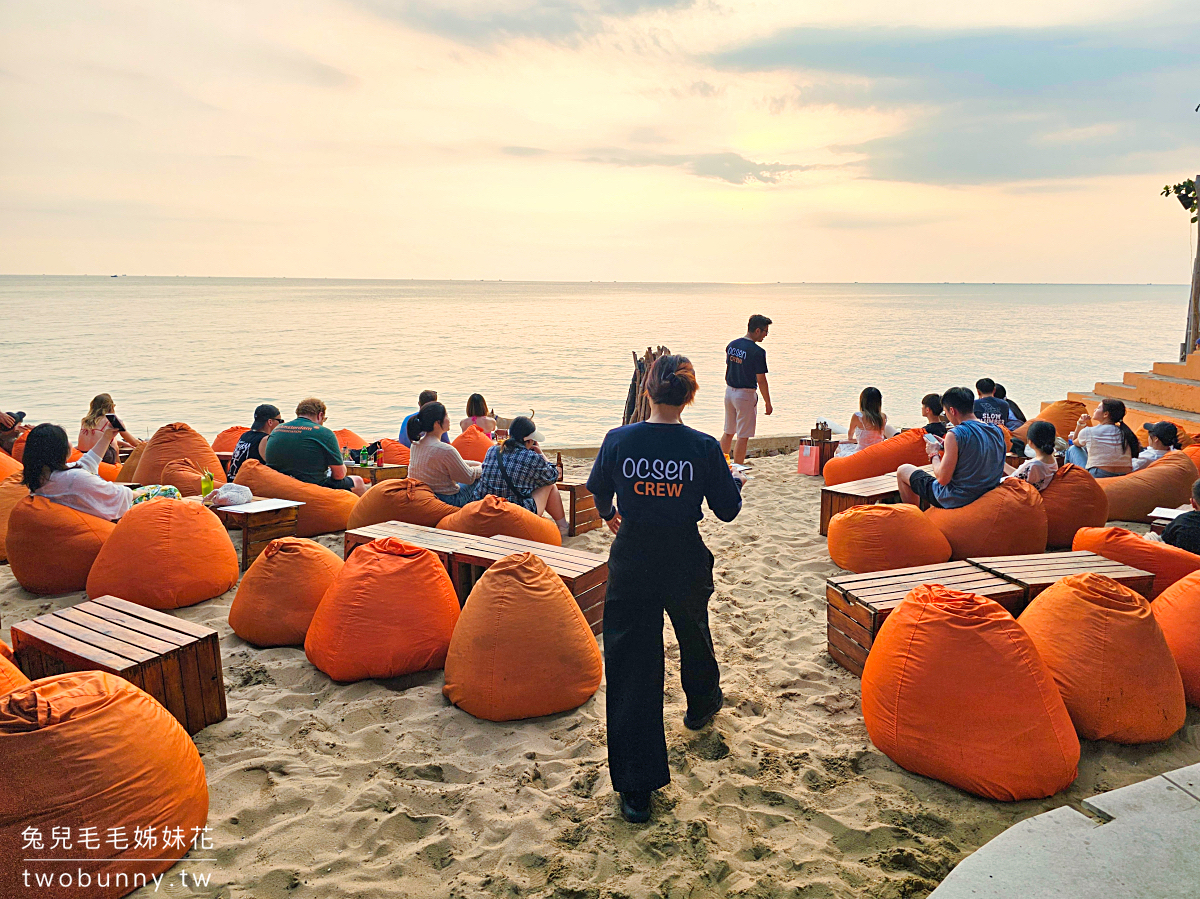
[399,499]
[1063,414]
[1109,658]
[18,447]
[89,749]
[12,491]
[954,689]
[279,594]
[1007,521]
[394,452]
[522,648]
[1167,563]
[492,515]
[165,554]
[876,538]
[9,466]
[473,443]
[325,510]
[183,474]
[1167,482]
[130,466]
[1073,500]
[227,439]
[11,676]
[51,547]
[173,442]
[348,439]
[390,611]
[882,458]
[1177,611]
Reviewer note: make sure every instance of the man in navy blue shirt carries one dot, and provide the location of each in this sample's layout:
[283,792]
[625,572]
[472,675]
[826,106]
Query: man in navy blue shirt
[990,408]
[745,376]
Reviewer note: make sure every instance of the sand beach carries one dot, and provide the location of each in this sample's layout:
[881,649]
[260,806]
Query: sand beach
[383,789]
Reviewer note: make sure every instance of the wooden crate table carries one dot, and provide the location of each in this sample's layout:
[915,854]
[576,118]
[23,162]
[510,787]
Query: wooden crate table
[175,661]
[1035,573]
[863,492]
[580,508]
[260,521]
[225,458]
[373,474]
[858,604]
[1161,517]
[466,557]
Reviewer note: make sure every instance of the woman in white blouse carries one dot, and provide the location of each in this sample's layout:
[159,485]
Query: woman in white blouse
[77,485]
[1103,443]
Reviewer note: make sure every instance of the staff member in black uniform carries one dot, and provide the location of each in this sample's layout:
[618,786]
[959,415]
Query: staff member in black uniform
[660,471]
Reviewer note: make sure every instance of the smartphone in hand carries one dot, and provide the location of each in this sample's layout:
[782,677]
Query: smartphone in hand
[115,422]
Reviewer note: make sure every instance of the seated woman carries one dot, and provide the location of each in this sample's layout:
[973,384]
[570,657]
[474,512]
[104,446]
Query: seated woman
[1038,471]
[78,486]
[1164,437]
[1103,443]
[438,465]
[1016,417]
[866,425]
[92,428]
[477,414]
[519,472]
[935,419]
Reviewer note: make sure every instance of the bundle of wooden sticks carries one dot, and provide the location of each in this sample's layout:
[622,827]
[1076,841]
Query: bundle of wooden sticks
[637,404]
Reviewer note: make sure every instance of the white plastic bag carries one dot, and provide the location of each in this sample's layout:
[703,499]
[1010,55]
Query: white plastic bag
[229,495]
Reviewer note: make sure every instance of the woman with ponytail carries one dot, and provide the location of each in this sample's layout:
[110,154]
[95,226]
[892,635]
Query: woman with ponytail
[1163,438]
[1103,443]
[660,471]
[436,464]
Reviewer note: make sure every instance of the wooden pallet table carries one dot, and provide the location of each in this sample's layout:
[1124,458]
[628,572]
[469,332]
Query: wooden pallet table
[1035,573]
[175,661]
[466,557]
[858,604]
[1161,517]
[863,492]
[260,521]
[581,509]
[373,474]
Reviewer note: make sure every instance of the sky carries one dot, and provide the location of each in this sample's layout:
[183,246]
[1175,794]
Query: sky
[575,140]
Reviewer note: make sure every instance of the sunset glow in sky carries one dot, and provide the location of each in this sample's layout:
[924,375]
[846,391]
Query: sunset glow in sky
[600,139]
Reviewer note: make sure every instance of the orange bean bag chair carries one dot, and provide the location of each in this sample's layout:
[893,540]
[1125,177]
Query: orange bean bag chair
[279,594]
[1167,482]
[130,466]
[50,547]
[1109,658]
[165,554]
[1007,521]
[473,443]
[492,515]
[1063,414]
[1073,500]
[9,466]
[1167,563]
[171,443]
[12,491]
[227,439]
[954,689]
[1177,611]
[348,439]
[11,676]
[522,648]
[390,611]
[876,538]
[399,499]
[882,458]
[18,447]
[394,452]
[325,510]
[185,475]
[89,749]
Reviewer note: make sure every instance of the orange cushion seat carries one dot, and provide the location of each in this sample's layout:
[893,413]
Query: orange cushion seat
[279,594]
[119,760]
[165,554]
[879,537]
[473,443]
[1064,415]
[1177,611]
[954,689]
[399,499]
[521,648]
[1073,500]
[325,510]
[882,458]
[1167,563]
[348,439]
[1167,482]
[171,443]
[183,474]
[227,439]
[390,611]
[50,547]
[492,515]
[9,466]
[1109,658]
[1009,520]
[129,467]
[11,676]
[394,452]
[12,491]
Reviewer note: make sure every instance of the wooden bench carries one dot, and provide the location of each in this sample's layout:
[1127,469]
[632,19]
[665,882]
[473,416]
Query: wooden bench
[580,508]
[175,661]
[863,492]
[466,557]
[858,604]
[1035,573]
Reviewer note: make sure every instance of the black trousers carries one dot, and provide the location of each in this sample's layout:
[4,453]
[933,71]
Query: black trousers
[651,570]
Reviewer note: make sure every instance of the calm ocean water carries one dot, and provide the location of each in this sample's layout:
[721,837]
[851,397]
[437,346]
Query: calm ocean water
[207,350]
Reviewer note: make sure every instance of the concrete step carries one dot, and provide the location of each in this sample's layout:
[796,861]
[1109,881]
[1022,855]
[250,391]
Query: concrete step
[1127,393]
[1187,369]
[1155,390]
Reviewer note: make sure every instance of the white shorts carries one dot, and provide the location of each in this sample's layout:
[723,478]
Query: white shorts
[741,411]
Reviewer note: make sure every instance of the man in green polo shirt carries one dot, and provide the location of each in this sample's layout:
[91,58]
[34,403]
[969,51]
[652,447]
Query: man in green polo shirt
[307,451]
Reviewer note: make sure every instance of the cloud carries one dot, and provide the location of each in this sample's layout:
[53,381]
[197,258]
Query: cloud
[728,167]
[523,151]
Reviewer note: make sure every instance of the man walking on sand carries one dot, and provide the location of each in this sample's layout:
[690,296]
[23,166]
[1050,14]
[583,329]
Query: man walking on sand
[745,376]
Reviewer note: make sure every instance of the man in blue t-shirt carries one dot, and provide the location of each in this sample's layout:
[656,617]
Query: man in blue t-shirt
[966,464]
[990,408]
[745,376]
[427,396]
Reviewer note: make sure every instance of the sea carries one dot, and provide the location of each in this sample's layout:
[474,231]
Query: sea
[206,351]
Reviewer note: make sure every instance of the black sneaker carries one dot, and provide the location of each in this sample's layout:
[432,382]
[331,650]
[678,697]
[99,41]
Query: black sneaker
[635,806]
[696,722]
